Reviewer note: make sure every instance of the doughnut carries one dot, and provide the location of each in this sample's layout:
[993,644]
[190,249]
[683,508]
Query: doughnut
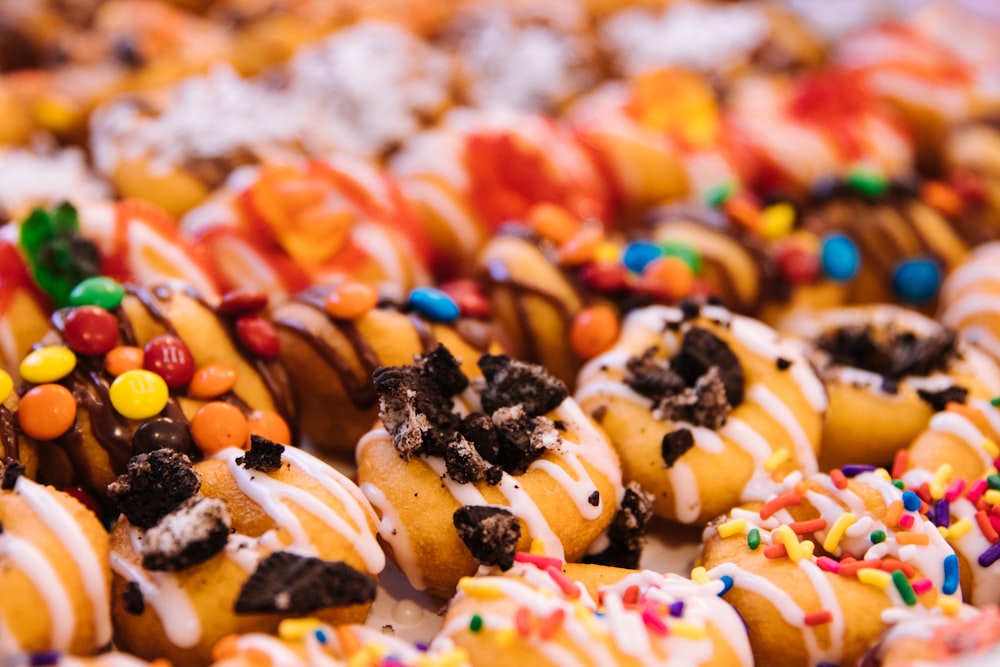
[235,544]
[330,355]
[887,370]
[812,569]
[463,473]
[969,636]
[967,299]
[748,406]
[54,570]
[280,228]
[307,642]
[540,613]
[480,168]
[24,309]
[100,383]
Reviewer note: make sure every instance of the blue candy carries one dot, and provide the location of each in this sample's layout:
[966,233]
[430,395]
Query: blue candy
[916,280]
[840,257]
[434,304]
[911,501]
[640,253]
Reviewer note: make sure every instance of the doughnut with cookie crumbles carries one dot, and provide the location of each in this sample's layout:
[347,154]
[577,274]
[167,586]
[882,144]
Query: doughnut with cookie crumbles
[541,612]
[704,406]
[134,370]
[812,569]
[887,370]
[333,337]
[233,544]
[464,473]
[53,570]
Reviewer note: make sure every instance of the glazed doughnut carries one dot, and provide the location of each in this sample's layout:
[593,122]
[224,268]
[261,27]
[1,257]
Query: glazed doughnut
[307,643]
[463,473]
[330,358]
[968,296]
[53,570]
[86,421]
[813,568]
[235,544]
[541,613]
[887,370]
[280,228]
[967,637]
[704,406]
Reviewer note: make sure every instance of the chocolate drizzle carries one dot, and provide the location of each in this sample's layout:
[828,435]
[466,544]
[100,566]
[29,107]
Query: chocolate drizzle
[10,442]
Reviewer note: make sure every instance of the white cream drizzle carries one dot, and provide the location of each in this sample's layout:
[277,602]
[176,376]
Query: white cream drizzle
[35,565]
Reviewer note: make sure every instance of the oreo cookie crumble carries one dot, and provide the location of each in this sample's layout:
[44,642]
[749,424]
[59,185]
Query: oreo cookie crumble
[287,583]
[191,534]
[490,533]
[418,410]
[263,455]
[889,351]
[154,485]
[701,384]
[939,400]
[10,470]
[627,532]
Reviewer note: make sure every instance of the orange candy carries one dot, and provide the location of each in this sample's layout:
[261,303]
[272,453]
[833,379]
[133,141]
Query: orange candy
[942,197]
[269,424]
[593,331]
[582,246]
[46,411]
[212,381]
[744,211]
[553,222]
[219,425]
[123,358]
[669,278]
[350,300]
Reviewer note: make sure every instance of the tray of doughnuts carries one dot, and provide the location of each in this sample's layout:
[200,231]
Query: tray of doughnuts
[408,333]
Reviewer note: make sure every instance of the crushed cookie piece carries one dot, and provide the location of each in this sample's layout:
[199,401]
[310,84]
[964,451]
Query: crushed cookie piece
[490,533]
[690,308]
[700,351]
[263,455]
[675,445]
[463,463]
[705,404]
[651,375]
[154,485]
[889,351]
[594,499]
[442,368]
[133,601]
[479,430]
[10,470]
[782,363]
[287,583]
[939,400]
[191,534]
[626,533]
[510,382]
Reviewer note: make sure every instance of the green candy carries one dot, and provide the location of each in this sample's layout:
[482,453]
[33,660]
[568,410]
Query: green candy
[877,536]
[718,194]
[684,252]
[868,183]
[97,291]
[59,257]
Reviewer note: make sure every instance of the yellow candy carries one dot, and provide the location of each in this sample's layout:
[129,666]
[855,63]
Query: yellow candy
[777,221]
[479,589]
[607,252]
[6,385]
[537,548]
[295,629]
[959,528]
[843,522]
[732,527]
[874,577]
[48,364]
[688,630]
[945,532]
[992,497]
[991,447]
[949,605]
[883,473]
[505,637]
[139,394]
[775,460]
[699,575]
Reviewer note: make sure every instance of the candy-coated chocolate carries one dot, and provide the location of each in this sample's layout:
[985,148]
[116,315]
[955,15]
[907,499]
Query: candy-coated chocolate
[269,424]
[159,434]
[669,278]
[639,254]
[48,364]
[605,276]
[777,221]
[593,331]
[553,223]
[434,304]
[868,183]
[97,291]
[170,358]
[797,265]
[219,425]
[242,302]
[469,297]
[212,381]
[123,358]
[840,257]
[350,300]
[46,411]
[582,246]
[139,394]
[90,330]
[685,251]
[258,336]
[916,279]
[6,385]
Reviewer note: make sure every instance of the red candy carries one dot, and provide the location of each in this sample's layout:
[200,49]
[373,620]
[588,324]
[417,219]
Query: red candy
[797,264]
[242,302]
[169,357]
[469,297]
[258,336]
[604,276]
[90,330]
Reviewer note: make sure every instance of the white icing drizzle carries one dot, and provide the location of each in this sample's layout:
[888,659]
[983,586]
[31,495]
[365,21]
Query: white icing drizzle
[71,536]
[161,591]
[35,565]
[957,425]
[391,528]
